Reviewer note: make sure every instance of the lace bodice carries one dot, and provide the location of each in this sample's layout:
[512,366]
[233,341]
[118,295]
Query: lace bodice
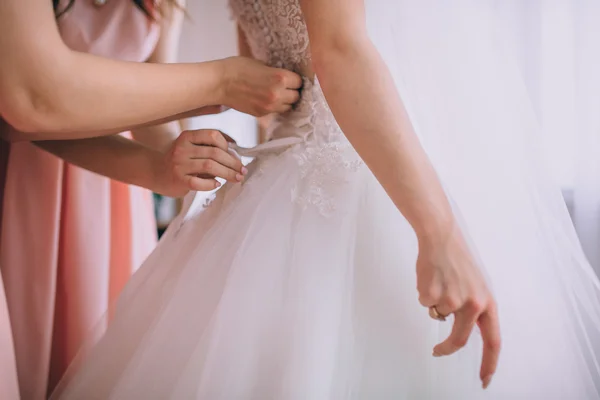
[277,35]
[275,31]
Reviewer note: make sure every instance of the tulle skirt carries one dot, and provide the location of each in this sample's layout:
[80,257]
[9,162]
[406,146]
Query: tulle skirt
[286,287]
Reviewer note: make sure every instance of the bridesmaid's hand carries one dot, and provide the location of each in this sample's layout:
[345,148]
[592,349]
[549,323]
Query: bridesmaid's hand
[449,279]
[253,88]
[195,159]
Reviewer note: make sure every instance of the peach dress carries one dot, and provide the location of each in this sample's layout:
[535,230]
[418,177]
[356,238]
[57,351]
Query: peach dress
[9,389]
[70,239]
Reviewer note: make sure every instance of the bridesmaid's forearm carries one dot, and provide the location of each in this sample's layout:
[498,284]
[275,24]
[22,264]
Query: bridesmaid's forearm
[158,137]
[82,95]
[48,91]
[115,157]
[10,134]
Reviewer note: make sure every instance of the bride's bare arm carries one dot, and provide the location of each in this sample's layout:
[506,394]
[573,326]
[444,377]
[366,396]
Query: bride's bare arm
[46,87]
[365,102]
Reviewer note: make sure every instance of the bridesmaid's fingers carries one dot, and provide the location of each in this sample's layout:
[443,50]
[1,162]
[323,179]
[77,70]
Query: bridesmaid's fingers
[283,108]
[206,137]
[291,96]
[228,138]
[202,167]
[224,158]
[291,80]
[199,184]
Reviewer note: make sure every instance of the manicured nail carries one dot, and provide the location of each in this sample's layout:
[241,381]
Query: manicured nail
[486,381]
[239,177]
[244,170]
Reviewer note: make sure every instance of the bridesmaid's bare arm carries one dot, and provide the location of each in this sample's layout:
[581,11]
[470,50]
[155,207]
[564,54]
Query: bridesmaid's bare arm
[46,87]
[195,158]
[115,157]
[157,159]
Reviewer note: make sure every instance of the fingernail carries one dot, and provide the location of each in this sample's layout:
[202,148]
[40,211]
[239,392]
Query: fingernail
[239,177]
[244,170]
[217,185]
[436,353]
[486,381]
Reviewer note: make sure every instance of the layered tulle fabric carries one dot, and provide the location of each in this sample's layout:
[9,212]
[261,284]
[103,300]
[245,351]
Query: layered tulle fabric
[265,296]
[300,283]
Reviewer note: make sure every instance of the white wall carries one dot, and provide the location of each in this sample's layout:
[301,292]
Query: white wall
[209,33]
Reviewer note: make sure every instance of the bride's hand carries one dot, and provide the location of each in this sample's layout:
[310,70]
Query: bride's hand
[253,88]
[195,159]
[449,279]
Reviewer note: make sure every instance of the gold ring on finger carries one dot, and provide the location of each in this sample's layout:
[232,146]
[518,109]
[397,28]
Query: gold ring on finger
[435,314]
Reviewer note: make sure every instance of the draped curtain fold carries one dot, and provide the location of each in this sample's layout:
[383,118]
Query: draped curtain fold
[557,46]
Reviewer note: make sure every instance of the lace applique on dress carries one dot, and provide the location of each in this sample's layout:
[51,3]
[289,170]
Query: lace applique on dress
[324,162]
[275,31]
[323,170]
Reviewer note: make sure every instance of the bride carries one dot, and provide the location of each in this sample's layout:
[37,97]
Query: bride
[300,283]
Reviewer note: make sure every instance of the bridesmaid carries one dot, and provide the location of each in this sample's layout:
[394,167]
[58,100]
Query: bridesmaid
[71,239]
[68,250]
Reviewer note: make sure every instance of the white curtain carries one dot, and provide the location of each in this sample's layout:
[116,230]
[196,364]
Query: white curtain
[586,188]
[557,43]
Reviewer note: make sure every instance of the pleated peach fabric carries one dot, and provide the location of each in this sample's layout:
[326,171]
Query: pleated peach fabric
[9,388]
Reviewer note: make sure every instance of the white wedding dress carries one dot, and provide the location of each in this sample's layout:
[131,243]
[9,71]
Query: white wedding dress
[300,283]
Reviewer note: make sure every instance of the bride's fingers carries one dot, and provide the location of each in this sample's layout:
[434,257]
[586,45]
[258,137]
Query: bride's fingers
[490,333]
[461,330]
[200,184]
